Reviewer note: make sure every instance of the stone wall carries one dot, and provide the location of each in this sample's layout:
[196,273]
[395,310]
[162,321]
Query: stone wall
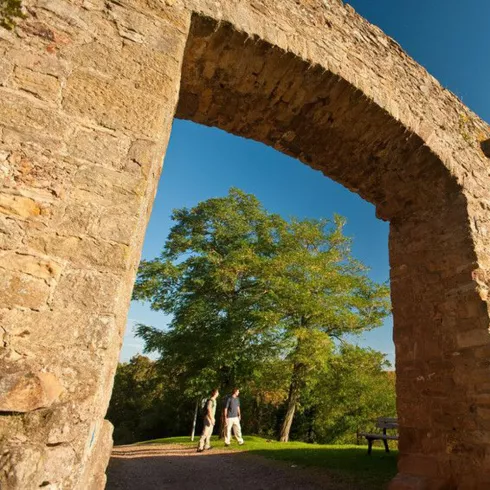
[88,91]
[86,106]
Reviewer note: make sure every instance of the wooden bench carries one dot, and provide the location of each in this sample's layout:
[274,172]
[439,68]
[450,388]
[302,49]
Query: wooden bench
[384,423]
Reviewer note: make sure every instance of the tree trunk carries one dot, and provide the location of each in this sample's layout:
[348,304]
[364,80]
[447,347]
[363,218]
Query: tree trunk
[258,417]
[294,389]
[195,420]
[311,417]
[222,426]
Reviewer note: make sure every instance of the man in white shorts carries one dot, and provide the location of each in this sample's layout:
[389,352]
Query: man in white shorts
[233,417]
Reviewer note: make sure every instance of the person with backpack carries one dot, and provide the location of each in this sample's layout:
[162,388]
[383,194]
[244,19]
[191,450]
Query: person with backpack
[232,418]
[208,421]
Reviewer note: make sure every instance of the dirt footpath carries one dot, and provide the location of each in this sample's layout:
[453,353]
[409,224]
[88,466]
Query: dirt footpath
[176,467]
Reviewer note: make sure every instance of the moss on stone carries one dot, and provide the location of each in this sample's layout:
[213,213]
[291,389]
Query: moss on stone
[9,11]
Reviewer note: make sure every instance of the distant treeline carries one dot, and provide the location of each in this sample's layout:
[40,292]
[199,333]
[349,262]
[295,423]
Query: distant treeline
[349,394]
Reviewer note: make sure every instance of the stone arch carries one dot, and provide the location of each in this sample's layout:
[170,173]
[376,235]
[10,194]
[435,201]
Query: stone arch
[88,94]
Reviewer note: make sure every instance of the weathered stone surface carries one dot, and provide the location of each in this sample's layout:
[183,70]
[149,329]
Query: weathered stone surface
[91,144]
[43,86]
[24,336]
[24,392]
[115,226]
[11,233]
[58,463]
[33,172]
[88,90]
[106,187]
[30,264]
[111,104]
[87,290]
[23,207]
[22,290]
[144,153]
[76,219]
[143,68]
[40,62]
[5,70]
[82,252]
[158,35]
[473,338]
[95,478]
[21,465]
[21,113]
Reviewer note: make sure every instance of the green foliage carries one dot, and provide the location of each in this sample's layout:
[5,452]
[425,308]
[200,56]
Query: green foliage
[136,399]
[257,301]
[317,285]
[263,394]
[352,393]
[349,393]
[209,278]
[9,11]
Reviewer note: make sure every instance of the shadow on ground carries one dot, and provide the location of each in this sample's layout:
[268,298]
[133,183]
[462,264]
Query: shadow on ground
[177,467]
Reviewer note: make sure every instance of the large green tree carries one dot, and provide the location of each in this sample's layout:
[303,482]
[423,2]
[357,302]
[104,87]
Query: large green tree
[209,278]
[321,293]
[245,286]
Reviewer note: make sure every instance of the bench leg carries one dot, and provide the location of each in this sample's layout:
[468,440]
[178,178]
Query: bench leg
[387,449]
[370,446]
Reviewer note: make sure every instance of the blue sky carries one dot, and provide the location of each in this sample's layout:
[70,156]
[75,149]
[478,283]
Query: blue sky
[449,38]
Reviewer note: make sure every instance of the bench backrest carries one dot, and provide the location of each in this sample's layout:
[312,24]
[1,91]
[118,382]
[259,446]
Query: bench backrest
[387,423]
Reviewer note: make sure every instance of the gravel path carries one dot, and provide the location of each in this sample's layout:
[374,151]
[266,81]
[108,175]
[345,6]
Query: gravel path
[176,467]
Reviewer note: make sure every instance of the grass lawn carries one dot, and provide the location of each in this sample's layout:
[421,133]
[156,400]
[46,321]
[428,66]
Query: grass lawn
[349,464]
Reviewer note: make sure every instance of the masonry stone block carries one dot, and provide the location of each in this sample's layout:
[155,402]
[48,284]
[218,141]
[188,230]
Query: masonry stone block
[23,207]
[22,113]
[23,291]
[111,104]
[42,86]
[5,70]
[24,392]
[93,143]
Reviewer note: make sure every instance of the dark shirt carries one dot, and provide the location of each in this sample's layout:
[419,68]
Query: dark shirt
[232,405]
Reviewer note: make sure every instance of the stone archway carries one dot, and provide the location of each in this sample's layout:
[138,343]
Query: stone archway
[88,91]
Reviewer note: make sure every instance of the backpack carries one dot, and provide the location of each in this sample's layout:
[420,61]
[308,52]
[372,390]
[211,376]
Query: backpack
[204,408]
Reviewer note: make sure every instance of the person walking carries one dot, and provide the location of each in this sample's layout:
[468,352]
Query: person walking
[232,418]
[208,422]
